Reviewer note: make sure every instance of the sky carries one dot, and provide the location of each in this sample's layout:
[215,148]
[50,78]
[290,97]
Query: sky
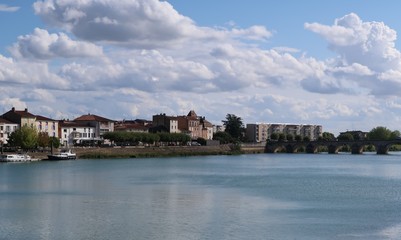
[332,63]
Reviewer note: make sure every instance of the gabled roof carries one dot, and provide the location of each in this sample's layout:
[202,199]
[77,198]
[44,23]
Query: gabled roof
[42,118]
[2,120]
[92,117]
[22,114]
[69,124]
[192,115]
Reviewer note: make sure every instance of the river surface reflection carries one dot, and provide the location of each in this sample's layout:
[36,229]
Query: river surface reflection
[273,196]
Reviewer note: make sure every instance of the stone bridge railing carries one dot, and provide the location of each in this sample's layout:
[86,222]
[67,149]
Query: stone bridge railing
[381,146]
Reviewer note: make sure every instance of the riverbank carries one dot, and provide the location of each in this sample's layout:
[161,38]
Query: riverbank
[146,152]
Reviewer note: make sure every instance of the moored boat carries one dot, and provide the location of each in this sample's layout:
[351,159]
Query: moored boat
[15,158]
[63,155]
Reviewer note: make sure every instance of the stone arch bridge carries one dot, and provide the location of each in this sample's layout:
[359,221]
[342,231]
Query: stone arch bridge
[381,146]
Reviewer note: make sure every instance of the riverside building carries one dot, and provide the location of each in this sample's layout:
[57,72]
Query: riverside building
[261,132]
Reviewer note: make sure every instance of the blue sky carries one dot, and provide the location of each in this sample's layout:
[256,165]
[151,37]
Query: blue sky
[334,63]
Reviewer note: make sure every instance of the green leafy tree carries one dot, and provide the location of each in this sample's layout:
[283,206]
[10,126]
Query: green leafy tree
[274,136]
[24,137]
[43,139]
[290,137]
[327,136]
[395,134]
[345,137]
[282,137]
[234,126]
[380,133]
[54,141]
[298,138]
[223,137]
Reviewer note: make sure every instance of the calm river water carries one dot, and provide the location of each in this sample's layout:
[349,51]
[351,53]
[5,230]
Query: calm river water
[277,196]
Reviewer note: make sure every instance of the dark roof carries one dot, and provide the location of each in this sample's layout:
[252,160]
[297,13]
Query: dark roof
[92,117]
[24,114]
[136,126]
[73,124]
[42,118]
[192,115]
[2,120]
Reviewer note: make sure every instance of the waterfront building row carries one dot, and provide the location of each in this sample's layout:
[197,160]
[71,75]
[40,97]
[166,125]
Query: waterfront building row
[261,132]
[89,129]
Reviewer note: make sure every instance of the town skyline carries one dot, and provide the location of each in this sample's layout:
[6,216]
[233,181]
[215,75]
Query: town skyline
[333,64]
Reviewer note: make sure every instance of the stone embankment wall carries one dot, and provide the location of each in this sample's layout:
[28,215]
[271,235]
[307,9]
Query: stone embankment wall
[137,152]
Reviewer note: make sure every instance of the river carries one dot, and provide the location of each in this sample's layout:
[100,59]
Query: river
[261,196]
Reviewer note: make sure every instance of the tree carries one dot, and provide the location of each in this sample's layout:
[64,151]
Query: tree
[345,137]
[327,136]
[298,138]
[380,133]
[395,134]
[290,137]
[274,136]
[24,137]
[55,142]
[234,126]
[43,139]
[223,137]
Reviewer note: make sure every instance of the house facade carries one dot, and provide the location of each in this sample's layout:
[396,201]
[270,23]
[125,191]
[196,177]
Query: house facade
[6,128]
[100,124]
[191,124]
[73,133]
[166,123]
[47,125]
[22,118]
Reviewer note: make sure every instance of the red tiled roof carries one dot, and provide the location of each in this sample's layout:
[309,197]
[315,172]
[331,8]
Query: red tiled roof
[92,117]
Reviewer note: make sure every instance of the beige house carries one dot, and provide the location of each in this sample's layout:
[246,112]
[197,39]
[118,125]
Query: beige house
[102,125]
[47,125]
[191,124]
[22,118]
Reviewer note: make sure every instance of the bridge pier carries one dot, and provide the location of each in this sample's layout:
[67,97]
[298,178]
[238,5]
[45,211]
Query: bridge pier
[332,149]
[356,149]
[310,148]
[381,149]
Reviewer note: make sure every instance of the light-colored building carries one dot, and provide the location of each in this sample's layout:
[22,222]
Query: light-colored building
[191,124]
[102,125]
[165,123]
[73,133]
[47,125]
[261,132]
[6,128]
[22,118]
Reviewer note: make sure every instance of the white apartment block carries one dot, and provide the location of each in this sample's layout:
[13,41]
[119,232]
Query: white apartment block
[75,133]
[261,132]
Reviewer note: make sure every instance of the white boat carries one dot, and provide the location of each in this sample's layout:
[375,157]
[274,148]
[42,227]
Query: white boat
[15,158]
[63,155]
